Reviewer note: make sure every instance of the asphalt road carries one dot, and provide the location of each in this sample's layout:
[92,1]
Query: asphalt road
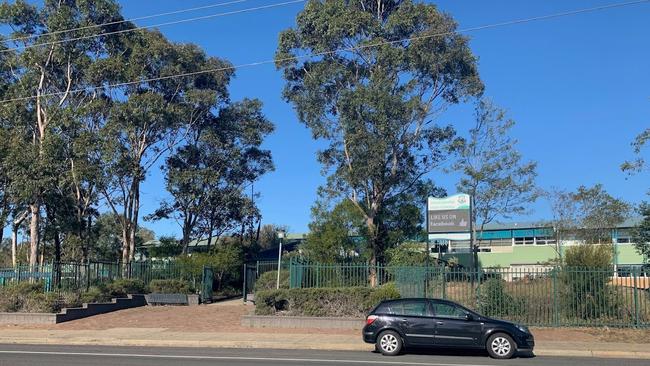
[18,355]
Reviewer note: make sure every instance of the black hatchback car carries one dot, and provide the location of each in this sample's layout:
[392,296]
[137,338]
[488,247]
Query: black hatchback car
[395,324]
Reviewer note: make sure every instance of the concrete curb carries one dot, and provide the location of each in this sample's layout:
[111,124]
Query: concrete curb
[297,345]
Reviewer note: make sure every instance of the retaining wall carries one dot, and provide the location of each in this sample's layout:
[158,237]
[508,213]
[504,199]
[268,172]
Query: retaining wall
[73,313]
[259,321]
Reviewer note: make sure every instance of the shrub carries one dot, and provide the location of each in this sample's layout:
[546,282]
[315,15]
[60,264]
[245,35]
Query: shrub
[268,280]
[123,287]
[496,302]
[336,302]
[95,294]
[587,293]
[170,287]
[28,297]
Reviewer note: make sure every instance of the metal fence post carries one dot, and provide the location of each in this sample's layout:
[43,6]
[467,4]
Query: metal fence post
[635,273]
[556,315]
[87,275]
[444,282]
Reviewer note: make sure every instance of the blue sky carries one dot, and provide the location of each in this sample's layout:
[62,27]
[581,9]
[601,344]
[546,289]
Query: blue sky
[577,86]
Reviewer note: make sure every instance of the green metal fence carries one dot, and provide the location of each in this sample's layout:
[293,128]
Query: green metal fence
[81,276]
[542,296]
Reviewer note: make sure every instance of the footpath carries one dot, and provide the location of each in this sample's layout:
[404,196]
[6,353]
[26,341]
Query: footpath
[218,325]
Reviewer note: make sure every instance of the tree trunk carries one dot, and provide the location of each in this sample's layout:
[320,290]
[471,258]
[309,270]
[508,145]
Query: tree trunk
[14,243]
[185,241]
[34,235]
[377,243]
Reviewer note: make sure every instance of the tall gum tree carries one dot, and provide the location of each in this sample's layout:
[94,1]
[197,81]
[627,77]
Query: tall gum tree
[376,99]
[47,67]
[492,171]
[147,120]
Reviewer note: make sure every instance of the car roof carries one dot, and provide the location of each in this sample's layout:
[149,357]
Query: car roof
[416,298]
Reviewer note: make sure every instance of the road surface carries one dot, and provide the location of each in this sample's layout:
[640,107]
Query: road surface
[28,355]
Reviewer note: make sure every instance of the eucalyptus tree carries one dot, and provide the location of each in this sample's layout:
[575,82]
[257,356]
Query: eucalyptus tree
[148,119]
[381,72]
[206,176]
[48,70]
[492,171]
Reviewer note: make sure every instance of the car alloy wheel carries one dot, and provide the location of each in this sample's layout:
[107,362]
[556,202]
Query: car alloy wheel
[390,343]
[501,346]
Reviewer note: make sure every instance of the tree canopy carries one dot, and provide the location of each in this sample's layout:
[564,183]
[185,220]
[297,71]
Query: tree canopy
[384,70]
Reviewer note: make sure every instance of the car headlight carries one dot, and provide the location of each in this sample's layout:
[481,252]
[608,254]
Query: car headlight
[523,329]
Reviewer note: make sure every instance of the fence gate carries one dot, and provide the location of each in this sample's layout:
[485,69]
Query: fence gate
[410,281]
[206,288]
[250,276]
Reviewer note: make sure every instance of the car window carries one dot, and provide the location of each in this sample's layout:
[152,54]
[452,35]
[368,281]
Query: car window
[448,310]
[414,308]
[385,308]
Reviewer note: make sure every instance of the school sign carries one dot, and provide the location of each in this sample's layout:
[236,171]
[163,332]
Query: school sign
[449,217]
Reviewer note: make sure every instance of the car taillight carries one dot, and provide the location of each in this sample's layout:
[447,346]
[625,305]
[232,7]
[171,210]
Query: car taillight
[370,319]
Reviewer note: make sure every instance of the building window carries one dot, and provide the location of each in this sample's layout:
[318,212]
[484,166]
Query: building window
[525,241]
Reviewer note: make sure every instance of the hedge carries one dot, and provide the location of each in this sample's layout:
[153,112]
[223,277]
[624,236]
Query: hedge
[170,287]
[352,302]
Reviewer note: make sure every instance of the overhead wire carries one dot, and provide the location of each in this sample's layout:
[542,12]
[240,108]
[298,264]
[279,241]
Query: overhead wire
[330,52]
[174,12]
[180,21]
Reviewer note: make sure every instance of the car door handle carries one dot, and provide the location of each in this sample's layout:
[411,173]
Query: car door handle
[440,323]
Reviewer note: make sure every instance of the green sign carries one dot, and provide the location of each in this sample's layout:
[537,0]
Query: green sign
[449,214]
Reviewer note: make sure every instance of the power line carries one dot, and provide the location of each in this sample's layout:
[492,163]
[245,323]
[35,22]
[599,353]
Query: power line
[127,20]
[180,21]
[330,52]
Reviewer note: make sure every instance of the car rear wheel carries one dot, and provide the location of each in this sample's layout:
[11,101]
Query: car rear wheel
[501,346]
[389,343]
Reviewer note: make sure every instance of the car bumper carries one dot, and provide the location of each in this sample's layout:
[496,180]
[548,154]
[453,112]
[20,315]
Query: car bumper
[369,337]
[526,342]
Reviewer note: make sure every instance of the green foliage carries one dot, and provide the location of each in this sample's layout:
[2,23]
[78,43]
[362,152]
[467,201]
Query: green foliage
[169,247]
[388,291]
[170,287]
[330,233]
[639,164]
[407,254]
[492,169]
[642,233]
[599,212]
[123,287]
[95,294]
[588,256]
[375,107]
[353,302]
[269,281]
[226,260]
[495,301]
[27,297]
[586,281]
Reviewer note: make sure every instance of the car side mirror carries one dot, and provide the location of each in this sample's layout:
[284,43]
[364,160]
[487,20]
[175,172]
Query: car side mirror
[469,317]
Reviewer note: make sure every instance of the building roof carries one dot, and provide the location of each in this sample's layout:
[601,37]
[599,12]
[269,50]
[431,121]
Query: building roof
[628,223]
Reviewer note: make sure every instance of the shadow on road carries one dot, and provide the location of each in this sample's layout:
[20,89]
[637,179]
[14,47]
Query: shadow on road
[458,352]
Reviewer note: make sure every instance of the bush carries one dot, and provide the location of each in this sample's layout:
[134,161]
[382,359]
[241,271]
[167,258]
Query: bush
[123,287]
[170,287]
[269,280]
[587,293]
[95,294]
[28,297]
[494,301]
[352,302]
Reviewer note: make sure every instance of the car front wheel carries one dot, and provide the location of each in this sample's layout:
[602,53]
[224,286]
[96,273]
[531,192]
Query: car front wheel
[501,346]
[389,343]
